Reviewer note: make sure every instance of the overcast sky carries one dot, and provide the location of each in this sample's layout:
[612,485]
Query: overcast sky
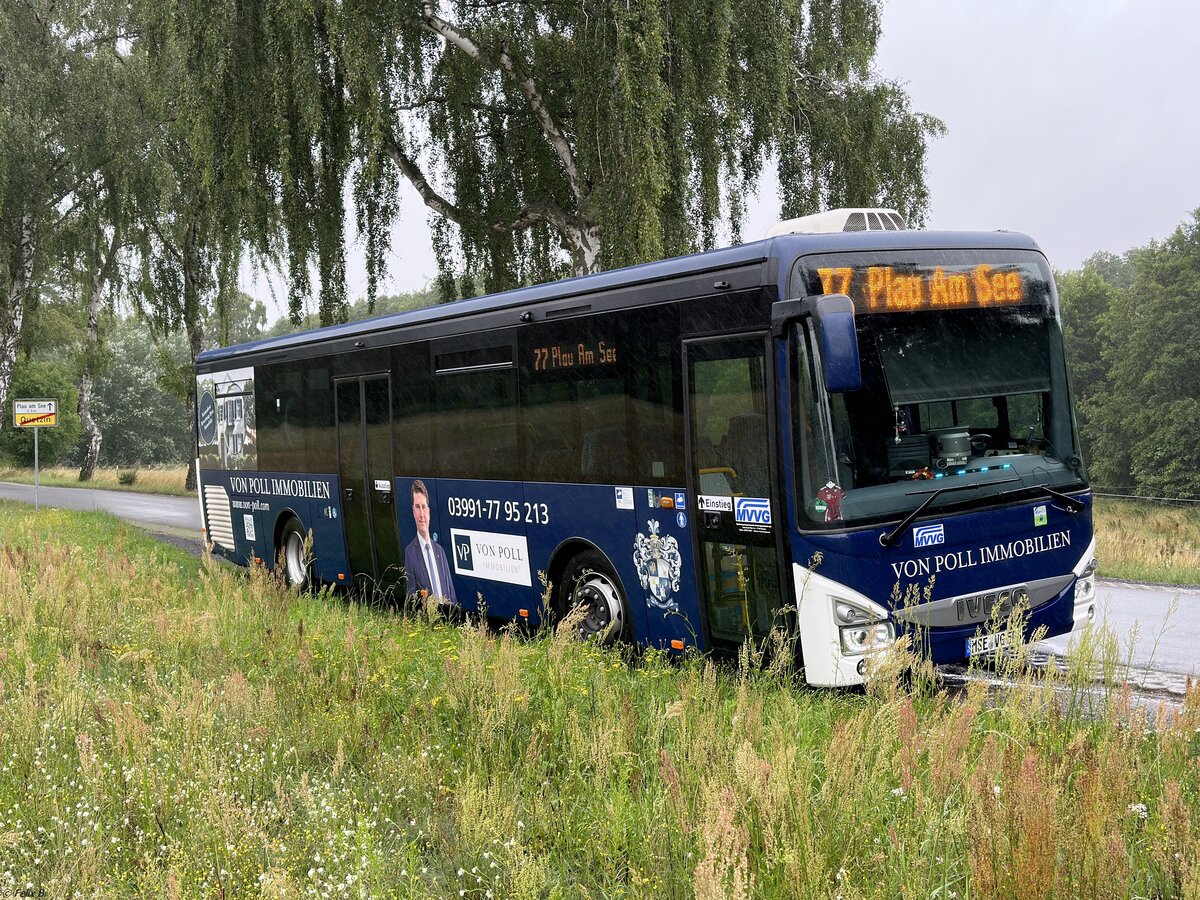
[1074,121]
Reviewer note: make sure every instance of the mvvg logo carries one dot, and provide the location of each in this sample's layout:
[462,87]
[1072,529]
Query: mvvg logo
[462,552]
[752,510]
[928,535]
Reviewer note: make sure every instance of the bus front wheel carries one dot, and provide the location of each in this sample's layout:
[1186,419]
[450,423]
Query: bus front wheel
[295,555]
[589,584]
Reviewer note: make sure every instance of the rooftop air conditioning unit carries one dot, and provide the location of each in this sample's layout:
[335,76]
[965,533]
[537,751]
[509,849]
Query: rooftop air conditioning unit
[841,220]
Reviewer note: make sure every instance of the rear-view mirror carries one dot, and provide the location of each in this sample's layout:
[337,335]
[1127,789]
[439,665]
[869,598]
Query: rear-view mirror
[833,319]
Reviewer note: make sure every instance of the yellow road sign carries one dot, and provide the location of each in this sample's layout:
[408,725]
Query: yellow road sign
[35,413]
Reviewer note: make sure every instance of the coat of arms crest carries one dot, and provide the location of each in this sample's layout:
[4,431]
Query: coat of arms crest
[658,563]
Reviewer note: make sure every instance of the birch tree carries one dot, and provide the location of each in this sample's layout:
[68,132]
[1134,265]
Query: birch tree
[547,138]
[63,143]
[35,177]
[552,138]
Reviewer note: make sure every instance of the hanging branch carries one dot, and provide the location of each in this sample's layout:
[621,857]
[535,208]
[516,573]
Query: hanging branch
[554,134]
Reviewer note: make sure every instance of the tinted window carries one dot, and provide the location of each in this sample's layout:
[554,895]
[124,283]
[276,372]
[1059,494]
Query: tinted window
[295,418]
[316,418]
[414,427]
[599,399]
[575,406]
[474,420]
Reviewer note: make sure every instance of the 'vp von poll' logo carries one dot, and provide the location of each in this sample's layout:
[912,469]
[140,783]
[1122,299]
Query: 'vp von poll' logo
[928,535]
[462,552]
[752,510]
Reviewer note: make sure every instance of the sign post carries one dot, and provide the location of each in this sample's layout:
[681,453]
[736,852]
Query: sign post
[35,414]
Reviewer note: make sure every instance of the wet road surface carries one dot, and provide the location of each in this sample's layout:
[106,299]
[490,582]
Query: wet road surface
[143,509]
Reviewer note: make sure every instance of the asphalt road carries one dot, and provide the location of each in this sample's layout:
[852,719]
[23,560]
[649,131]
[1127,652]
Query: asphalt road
[1158,627]
[143,509]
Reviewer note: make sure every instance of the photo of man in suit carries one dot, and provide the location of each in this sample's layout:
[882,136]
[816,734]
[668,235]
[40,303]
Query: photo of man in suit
[424,560]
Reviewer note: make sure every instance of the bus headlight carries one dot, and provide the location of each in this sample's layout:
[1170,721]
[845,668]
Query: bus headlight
[859,639]
[861,631]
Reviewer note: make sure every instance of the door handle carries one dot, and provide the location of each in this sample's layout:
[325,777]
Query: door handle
[349,493]
[385,497]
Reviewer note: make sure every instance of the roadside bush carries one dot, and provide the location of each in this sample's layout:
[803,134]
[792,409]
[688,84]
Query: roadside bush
[41,381]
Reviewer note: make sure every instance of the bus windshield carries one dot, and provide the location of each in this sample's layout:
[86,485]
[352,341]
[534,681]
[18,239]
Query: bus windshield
[963,393]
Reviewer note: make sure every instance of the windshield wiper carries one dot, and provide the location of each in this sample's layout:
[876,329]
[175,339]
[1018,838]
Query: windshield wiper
[1072,505]
[893,537]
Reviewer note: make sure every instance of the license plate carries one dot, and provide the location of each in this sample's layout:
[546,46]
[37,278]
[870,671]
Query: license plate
[983,644]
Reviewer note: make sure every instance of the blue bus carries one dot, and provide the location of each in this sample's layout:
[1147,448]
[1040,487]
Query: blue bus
[846,434]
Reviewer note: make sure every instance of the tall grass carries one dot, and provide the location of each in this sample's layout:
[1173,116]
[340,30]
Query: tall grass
[149,480]
[1141,541]
[176,728]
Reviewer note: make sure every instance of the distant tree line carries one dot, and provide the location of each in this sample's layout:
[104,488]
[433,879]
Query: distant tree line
[1132,327]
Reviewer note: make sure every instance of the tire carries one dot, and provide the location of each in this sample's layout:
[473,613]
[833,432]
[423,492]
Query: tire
[589,581]
[297,567]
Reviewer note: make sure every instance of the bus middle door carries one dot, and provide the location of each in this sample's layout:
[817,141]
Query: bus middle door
[364,440]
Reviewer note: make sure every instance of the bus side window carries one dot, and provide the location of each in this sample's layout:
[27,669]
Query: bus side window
[319,441]
[411,420]
[575,404]
[475,416]
[656,390]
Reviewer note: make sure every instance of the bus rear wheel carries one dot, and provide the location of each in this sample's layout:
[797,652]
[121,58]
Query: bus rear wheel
[590,584]
[296,568]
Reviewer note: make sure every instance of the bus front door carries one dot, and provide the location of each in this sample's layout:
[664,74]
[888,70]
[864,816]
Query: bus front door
[364,417]
[729,439]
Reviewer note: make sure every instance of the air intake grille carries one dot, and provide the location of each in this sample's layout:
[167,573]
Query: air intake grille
[219,515]
[855,222]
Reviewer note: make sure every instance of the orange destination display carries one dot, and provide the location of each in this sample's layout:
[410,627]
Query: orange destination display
[909,288]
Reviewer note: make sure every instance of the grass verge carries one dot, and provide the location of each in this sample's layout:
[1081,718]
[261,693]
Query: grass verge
[151,480]
[176,728]
[1138,541]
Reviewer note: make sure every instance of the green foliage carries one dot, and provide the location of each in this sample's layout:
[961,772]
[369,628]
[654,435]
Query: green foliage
[1134,340]
[360,309]
[667,110]
[240,320]
[1085,298]
[42,381]
[70,149]
[145,422]
[1152,410]
[546,138]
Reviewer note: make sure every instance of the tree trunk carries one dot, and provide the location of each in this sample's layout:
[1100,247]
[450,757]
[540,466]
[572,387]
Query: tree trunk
[195,329]
[92,436]
[583,243]
[12,315]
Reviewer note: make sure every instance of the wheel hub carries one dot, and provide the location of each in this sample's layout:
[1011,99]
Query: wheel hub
[297,571]
[604,617]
